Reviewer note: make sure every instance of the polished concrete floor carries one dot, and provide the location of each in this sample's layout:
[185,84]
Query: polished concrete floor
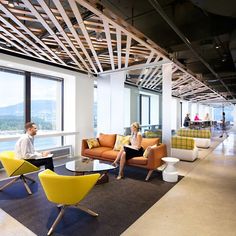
[201,204]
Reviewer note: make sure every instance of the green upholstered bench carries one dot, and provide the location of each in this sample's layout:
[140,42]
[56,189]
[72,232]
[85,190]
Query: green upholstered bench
[201,137]
[184,148]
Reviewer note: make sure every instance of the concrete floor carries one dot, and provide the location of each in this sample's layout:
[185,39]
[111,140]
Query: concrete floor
[202,203]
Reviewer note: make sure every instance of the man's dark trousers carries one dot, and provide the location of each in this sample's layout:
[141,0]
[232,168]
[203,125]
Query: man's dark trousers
[46,161]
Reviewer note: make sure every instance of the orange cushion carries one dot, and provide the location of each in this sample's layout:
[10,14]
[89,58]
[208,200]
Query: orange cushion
[107,140]
[149,142]
[138,161]
[110,154]
[96,152]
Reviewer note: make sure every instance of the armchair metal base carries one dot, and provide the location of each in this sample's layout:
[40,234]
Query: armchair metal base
[61,213]
[23,178]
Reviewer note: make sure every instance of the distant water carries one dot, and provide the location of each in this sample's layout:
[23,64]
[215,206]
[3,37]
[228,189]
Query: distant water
[40,143]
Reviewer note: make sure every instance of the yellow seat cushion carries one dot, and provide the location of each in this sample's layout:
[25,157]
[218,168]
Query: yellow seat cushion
[121,141]
[182,142]
[93,143]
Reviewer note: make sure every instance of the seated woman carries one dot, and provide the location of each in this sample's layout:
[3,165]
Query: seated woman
[196,118]
[130,151]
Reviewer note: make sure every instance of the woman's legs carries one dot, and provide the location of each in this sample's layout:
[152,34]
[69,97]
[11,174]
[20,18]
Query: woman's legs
[118,156]
[122,165]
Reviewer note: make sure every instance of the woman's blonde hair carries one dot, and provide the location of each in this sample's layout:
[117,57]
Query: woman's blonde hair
[136,125]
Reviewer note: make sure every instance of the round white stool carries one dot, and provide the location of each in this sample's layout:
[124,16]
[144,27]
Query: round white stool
[170,173]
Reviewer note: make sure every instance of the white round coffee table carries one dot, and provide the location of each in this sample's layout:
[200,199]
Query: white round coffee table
[170,173]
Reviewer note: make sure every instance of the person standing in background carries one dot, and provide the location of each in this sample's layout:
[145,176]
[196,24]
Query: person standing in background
[186,121]
[223,125]
[207,117]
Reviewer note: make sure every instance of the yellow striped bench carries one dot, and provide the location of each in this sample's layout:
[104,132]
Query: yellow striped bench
[184,148]
[194,133]
[202,137]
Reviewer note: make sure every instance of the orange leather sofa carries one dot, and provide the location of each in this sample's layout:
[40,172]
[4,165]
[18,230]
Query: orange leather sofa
[106,152]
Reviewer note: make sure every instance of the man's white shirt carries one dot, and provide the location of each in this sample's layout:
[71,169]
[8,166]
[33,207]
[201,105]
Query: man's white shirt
[24,148]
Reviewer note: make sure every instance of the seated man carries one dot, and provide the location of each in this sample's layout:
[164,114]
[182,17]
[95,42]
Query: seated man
[24,148]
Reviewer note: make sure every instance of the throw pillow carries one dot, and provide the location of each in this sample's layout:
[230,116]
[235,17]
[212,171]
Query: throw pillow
[93,143]
[121,141]
[147,150]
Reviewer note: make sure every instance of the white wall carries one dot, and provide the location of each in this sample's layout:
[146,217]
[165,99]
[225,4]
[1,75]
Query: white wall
[127,112]
[78,96]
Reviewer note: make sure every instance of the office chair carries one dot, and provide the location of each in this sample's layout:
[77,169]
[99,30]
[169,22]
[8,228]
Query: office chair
[67,191]
[16,167]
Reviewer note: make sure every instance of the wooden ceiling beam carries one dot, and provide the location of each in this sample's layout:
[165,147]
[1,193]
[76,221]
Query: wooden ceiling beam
[108,39]
[46,26]
[128,44]
[69,25]
[62,32]
[11,41]
[80,20]
[19,23]
[22,37]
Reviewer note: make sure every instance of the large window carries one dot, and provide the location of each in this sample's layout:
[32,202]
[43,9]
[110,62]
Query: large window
[144,109]
[27,97]
[46,108]
[11,105]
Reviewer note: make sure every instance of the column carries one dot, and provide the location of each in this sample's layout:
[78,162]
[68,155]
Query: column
[166,105]
[234,117]
[178,115]
[110,103]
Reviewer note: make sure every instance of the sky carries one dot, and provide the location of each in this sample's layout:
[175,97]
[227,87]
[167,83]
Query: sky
[12,90]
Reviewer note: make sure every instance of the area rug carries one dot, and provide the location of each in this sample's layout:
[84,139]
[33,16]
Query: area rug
[119,204]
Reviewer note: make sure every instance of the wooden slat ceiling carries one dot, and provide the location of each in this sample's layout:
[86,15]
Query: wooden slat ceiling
[85,36]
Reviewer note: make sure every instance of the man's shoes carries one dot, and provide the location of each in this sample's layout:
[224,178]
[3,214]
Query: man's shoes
[221,136]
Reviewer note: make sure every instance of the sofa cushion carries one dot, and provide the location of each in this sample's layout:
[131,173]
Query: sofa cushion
[149,142]
[138,161]
[182,143]
[121,141]
[96,152]
[202,133]
[109,154]
[147,150]
[93,143]
[107,140]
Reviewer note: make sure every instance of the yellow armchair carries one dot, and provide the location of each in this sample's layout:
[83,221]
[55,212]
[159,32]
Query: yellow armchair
[16,167]
[66,191]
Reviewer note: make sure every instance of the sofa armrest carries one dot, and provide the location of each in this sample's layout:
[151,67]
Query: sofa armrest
[155,155]
[84,146]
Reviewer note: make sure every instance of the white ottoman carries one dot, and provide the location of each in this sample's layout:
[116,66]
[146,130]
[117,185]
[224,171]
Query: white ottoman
[170,173]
